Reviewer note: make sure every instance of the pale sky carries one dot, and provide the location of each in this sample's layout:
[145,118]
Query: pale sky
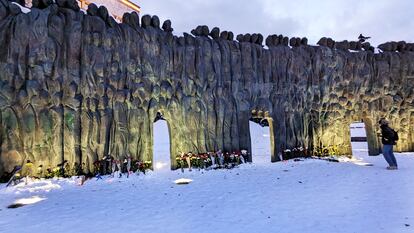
[383,20]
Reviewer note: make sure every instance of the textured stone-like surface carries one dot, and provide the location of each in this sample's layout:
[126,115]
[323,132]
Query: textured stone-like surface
[76,87]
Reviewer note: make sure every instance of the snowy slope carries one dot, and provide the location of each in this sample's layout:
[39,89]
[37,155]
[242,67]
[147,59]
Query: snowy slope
[306,196]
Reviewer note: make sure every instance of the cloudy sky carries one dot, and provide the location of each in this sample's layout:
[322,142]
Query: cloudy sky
[384,20]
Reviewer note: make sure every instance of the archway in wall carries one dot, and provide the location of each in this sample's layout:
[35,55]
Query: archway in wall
[161,141]
[260,140]
[359,141]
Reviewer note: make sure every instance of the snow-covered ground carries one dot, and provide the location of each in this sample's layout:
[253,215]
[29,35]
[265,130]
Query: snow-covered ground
[305,196]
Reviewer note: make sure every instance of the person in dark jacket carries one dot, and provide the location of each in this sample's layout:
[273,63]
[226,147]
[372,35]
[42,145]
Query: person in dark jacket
[388,138]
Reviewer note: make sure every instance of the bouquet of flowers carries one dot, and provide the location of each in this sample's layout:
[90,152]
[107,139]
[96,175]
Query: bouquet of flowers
[141,166]
[239,157]
[97,167]
[210,159]
[182,161]
[205,160]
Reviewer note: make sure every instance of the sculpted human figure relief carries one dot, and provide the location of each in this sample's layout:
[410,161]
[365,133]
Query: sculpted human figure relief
[56,111]
[72,126]
[92,143]
[136,121]
[85,130]
[120,133]
[219,106]
[43,139]
[105,116]
[11,144]
[27,123]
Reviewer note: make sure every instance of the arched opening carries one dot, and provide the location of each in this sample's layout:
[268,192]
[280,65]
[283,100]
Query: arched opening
[161,152]
[260,138]
[359,143]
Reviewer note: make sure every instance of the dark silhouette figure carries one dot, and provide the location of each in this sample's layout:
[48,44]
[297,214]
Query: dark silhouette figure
[362,38]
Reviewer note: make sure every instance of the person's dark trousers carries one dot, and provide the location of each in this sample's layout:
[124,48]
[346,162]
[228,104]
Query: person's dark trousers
[389,155]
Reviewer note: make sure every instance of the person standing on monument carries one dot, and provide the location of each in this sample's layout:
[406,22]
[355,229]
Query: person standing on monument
[388,138]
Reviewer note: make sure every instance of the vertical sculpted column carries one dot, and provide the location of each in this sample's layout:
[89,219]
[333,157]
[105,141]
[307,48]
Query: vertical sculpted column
[72,125]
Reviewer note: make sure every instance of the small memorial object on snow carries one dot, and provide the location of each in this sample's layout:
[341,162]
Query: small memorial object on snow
[183,181]
[25,201]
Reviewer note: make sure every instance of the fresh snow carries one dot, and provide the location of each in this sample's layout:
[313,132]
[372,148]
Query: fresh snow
[304,196]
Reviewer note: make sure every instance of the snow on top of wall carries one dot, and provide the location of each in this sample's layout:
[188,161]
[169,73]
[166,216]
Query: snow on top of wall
[22,8]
